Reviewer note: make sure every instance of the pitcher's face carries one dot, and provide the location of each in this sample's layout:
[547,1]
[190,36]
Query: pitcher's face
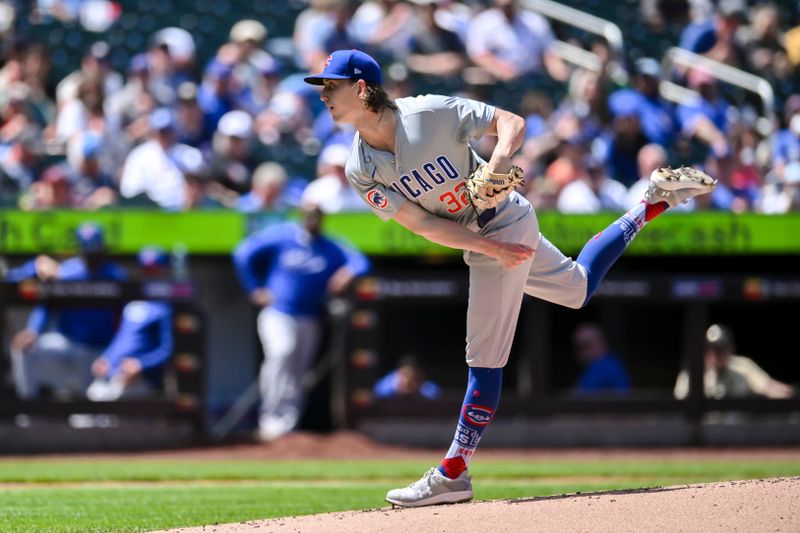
[341,97]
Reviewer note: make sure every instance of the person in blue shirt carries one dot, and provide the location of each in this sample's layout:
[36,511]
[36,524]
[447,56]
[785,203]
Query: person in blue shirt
[603,371]
[715,36]
[625,137]
[656,115]
[408,379]
[42,267]
[786,141]
[288,270]
[133,364]
[56,348]
[217,92]
[705,116]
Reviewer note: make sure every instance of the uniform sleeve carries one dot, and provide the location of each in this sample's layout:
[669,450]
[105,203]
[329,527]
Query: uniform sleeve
[473,118]
[127,339]
[38,319]
[385,387]
[26,270]
[382,200]
[116,351]
[357,262]
[163,347]
[251,258]
[147,338]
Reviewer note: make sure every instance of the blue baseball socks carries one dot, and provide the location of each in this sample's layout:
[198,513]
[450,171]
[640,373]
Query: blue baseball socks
[605,248]
[480,403]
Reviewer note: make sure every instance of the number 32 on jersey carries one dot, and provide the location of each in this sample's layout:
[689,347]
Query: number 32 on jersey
[457,199]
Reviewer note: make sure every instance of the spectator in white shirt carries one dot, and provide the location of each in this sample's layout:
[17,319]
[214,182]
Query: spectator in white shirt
[269,190]
[95,65]
[781,193]
[150,169]
[593,192]
[331,191]
[509,42]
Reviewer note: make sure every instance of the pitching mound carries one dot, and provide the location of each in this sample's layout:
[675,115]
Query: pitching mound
[745,506]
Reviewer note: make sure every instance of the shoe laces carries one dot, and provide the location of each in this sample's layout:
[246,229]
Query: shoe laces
[424,484]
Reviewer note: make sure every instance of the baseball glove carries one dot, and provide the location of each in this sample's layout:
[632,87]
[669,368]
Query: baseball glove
[487,189]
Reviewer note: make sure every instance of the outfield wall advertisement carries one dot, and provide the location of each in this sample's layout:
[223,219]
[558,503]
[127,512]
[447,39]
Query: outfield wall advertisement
[217,232]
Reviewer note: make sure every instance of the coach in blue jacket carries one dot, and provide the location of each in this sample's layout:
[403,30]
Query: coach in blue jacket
[289,269]
[56,348]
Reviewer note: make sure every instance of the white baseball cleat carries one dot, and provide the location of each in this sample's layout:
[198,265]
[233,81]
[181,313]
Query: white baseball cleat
[434,488]
[678,185]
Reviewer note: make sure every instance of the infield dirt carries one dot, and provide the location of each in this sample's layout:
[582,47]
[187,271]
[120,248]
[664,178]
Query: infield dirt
[744,506]
[769,505]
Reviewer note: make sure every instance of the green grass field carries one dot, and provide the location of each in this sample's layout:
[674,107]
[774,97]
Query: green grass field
[142,495]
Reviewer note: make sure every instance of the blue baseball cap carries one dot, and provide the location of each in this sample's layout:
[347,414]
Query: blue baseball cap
[348,65]
[90,238]
[625,103]
[162,119]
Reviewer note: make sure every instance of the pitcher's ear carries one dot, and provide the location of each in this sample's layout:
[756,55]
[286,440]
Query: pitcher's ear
[361,87]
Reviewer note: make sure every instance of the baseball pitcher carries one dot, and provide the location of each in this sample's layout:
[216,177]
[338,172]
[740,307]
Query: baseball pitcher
[411,161]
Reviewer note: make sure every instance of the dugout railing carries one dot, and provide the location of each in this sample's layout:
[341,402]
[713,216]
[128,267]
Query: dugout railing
[184,392]
[529,391]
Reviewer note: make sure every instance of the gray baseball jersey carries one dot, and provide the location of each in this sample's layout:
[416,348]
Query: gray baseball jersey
[430,165]
[431,162]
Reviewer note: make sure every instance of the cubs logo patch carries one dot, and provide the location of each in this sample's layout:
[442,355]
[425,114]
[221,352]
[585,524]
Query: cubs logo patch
[477,415]
[377,199]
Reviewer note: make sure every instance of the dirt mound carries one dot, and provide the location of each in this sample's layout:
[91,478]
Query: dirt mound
[755,505]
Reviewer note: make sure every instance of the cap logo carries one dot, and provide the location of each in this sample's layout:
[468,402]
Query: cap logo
[356,71]
[327,61]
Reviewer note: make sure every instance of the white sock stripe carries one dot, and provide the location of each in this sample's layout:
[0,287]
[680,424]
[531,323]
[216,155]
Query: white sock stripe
[465,442]
[631,222]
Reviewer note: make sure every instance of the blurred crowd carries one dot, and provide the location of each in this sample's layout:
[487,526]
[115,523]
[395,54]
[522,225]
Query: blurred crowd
[237,128]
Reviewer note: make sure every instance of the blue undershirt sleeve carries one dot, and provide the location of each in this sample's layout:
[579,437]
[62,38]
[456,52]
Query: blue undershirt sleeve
[163,348]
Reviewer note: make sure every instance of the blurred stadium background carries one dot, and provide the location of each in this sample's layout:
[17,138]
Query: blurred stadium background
[732,260]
